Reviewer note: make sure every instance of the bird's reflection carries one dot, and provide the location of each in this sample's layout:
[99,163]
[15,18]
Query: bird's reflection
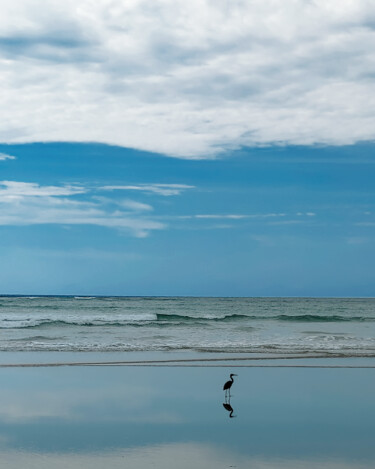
[227,406]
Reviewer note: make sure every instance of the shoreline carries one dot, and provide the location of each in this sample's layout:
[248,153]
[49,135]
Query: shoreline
[171,365]
[180,359]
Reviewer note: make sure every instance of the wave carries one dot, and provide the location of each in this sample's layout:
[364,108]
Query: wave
[123,320]
[255,352]
[280,317]
[162,319]
[321,318]
[203,317]
[85,321]
[36,338]
[85,297]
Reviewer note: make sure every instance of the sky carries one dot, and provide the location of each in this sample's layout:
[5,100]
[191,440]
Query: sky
[187,148]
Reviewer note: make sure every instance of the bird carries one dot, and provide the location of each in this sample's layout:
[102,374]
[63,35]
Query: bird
[228,384]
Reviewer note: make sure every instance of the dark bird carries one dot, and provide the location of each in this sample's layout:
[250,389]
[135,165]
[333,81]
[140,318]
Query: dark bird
[228,384]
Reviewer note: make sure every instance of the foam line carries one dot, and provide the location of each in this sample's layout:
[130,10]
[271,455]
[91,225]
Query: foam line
[202,362]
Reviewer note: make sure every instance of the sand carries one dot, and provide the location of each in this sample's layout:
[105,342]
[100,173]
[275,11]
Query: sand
[172,416]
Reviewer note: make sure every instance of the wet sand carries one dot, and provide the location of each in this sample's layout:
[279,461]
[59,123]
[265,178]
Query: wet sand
[172,416]
[183,358]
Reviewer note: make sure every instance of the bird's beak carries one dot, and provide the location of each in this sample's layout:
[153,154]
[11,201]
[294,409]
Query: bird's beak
[234,374]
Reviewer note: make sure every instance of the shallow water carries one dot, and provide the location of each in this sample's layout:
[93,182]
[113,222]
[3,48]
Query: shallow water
[174,418]
[236,325]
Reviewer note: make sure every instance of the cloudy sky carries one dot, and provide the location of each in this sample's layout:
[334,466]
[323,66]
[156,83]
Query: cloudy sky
[159,147]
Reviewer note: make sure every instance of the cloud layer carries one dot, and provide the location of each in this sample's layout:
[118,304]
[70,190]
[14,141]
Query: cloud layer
[159,189]
[24,203]
[188,79]
[4,156]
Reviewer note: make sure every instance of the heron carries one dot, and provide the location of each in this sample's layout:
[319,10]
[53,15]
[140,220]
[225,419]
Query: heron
[228,384]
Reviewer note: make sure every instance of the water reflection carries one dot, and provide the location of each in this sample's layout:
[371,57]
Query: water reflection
[97,417]
[227,387]
[168,456]
[227,406]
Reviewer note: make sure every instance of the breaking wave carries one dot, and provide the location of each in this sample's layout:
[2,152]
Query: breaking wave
[162,319]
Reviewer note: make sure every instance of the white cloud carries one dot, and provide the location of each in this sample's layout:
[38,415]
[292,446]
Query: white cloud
[188,79]
[287,222]
[4,156]
[128,204]
[357,240]
[233,216]
[365,223]
[31,204]
[228,217]
[134,205]
[13,189]
[159,189]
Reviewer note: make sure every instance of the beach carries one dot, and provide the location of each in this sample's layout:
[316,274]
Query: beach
[89,382]
[173,416]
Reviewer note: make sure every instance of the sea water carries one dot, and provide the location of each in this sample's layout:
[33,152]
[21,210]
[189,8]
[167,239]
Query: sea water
[267,326]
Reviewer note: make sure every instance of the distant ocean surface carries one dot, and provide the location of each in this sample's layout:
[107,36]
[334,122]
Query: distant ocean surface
[270,326]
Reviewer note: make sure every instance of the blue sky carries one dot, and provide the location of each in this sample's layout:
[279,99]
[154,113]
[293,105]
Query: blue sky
[187,148]
[96,219]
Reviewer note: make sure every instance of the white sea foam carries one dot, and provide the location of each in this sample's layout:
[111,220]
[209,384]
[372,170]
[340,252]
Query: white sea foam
[84,297]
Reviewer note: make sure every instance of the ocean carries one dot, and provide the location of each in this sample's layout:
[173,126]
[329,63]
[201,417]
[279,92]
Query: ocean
[274,327]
